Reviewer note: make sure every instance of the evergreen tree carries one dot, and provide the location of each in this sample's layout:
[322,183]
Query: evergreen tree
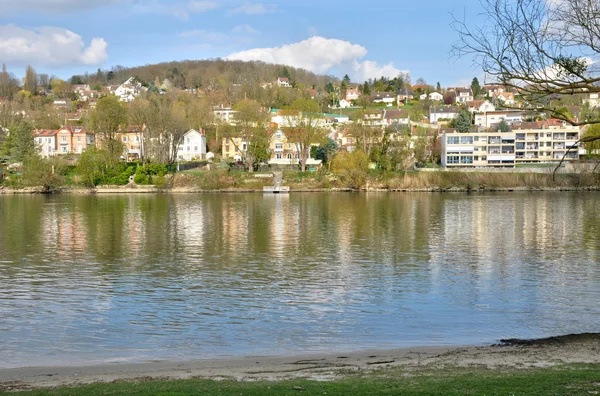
[438,87]
[366,89]
[462,122]
[19,143]
[475,87]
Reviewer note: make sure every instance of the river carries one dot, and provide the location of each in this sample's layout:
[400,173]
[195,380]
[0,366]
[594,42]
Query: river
[136,278]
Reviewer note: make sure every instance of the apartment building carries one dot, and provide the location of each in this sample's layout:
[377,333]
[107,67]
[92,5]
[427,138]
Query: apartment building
[543,144]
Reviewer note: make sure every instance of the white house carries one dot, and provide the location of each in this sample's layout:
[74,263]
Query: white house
[463,95]
[481,106]
[442,113]
[192,146]
[283,82]
[486,120]
[225,114]
[593,99]
[506,98]
[436,96]
[45,142]
[352,94]
[128,91]
[344,104]
[384,97]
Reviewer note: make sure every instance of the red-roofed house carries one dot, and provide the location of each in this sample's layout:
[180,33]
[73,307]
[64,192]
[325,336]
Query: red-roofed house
[45,142]
[283,82]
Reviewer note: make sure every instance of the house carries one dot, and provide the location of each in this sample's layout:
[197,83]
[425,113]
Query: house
[463,95]
[384,97]
[492,90]
[224,114]
[593,99]
[344,139]
[234,148]
[373,117]
[266,85]
[404,96]
[81,139]
[395,116]
[192,146]
[283,82]
[480,106]
[486,120]
[344,104]
[129,90]
[436,96]
[352,94]
[437,114]
[133,140]
[285,152]
[505,98]
[45,142]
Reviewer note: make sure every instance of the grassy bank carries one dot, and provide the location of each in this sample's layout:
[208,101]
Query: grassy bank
[575,379]
[437,181]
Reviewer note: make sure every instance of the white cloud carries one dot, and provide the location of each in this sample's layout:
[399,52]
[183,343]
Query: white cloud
[253,9]
[49,46]
[54,6]
[322,55]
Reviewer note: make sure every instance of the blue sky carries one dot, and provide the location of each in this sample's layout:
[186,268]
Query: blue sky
[362,39]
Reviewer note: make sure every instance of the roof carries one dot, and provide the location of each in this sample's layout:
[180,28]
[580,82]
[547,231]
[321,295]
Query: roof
[395,114]
[444,110]
[475,103]
[46,132]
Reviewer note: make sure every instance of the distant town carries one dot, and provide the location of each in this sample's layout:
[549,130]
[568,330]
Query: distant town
[396,124]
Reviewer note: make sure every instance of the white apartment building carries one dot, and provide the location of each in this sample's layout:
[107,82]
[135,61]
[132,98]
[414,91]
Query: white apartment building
[507,149]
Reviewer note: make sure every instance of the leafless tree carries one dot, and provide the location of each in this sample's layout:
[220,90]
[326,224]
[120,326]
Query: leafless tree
[540,48]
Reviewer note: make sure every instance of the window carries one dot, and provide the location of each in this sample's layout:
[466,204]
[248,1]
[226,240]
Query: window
[453,159]
[278,155]
[278,146]
[227,147]
[40,140]
[195,149]
[243,146]
[64,139]
[124,139]
[296,156]
[187,148]
[453,139]
[466,160]
[476,138]
[289,156]
[466,140]
[279,135]
[49,140]
[79,138]
[188,140]
[289,146]
[137,139]
[63,149]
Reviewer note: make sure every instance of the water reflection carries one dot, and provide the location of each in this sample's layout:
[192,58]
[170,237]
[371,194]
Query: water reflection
[112,278]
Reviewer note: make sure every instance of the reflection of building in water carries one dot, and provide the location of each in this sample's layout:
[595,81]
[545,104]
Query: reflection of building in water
[191,226]
[283,224]
[72,234]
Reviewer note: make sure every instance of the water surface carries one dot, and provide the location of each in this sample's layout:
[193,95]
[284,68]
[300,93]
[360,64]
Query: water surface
[93,279]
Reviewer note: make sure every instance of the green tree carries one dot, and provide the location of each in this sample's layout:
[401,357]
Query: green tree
[19,143]
[326,152]
[475,87]
[366,89]
[106,121]
[462,122]
[352,168]
[303,127]
[249,134]
[503,126]
[438,87]
[45,173]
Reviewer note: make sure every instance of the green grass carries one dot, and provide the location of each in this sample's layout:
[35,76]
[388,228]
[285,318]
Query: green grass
[578,379]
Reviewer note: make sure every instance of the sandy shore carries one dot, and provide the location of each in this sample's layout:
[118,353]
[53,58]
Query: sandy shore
[582,348]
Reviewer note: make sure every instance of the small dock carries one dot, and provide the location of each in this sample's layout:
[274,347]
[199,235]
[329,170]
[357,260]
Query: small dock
[277,185]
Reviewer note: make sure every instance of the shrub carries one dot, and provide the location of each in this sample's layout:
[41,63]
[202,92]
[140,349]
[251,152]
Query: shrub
[352,168]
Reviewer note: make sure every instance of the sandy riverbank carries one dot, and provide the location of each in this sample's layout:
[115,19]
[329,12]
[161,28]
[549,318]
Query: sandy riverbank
[519,354]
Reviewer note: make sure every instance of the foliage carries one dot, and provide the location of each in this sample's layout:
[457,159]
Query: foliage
[19,143]
[46,173]
[352,168]
[462,122]
[592,148]
[149,173]
[503,126]
[326,151]
[97,167]
[106,120]
[475,87]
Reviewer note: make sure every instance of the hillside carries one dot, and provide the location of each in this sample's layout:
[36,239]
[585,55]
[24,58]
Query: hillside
[210,75]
